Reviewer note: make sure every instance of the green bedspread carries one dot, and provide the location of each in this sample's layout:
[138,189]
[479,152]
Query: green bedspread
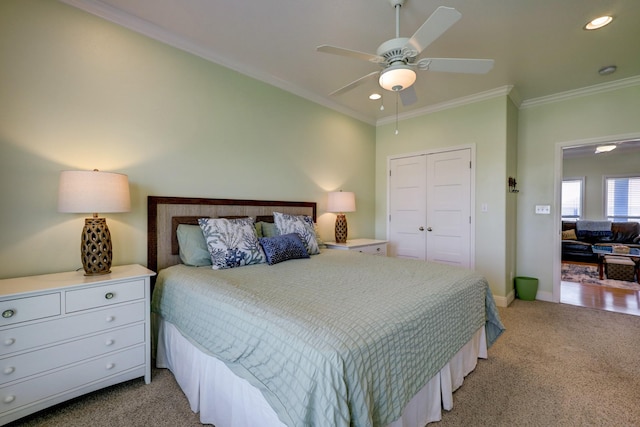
[339,339]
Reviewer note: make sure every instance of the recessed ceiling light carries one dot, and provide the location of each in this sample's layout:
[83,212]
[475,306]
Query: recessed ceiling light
[604,148]
[375,96]
[598,22]
[609,69]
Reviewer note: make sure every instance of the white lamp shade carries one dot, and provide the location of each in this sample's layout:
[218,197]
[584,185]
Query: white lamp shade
[93,192]
[341,201]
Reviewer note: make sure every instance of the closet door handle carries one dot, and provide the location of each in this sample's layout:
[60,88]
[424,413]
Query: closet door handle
[429,229]
[421,228]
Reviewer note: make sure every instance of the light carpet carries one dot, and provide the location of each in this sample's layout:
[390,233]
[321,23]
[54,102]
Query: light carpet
[588,274]
[555,365]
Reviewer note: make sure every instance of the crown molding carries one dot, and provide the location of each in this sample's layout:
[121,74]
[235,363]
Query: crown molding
[146,28]
[482,96]
[589,90]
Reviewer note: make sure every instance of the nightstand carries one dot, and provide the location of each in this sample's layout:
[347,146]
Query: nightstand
[66,334]
[367,246]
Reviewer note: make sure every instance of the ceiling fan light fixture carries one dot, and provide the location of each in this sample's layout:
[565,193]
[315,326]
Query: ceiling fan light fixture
[605,148]
[397,77]
[598,22]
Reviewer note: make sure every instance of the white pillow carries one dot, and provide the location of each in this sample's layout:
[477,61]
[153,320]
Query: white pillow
[231,242]
[300,224]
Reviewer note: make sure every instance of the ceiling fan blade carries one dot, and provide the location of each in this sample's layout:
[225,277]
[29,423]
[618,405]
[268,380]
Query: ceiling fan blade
[433,27]
[350,53]
[456,65]
[408,96]
[371,76]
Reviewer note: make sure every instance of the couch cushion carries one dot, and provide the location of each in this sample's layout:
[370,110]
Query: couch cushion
[625,232]
[576,246]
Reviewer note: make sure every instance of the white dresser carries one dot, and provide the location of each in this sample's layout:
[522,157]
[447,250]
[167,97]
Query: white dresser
[64,335]
[368,246]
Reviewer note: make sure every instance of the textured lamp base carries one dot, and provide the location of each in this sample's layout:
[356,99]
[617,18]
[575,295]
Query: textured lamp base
[341,228]
[95,247]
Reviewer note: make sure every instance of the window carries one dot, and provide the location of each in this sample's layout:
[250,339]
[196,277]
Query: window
[572,199]
[622,197]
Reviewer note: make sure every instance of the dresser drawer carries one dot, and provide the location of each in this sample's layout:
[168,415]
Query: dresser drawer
[40,334]
[26,392]
[374,249]
[22,365]
[100,296]
[29,308]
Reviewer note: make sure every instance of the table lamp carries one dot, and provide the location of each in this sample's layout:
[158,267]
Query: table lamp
[341,202]
[93,192]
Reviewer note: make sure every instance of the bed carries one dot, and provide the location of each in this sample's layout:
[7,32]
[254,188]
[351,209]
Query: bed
[336,338]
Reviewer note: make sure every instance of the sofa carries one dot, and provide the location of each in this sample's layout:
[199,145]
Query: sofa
[577,242]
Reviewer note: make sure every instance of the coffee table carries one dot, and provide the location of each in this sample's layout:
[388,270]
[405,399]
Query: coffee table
[602,251]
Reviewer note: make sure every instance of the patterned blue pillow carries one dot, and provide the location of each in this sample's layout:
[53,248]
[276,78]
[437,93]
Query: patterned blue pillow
[231,242]
[300,224]
[283,248]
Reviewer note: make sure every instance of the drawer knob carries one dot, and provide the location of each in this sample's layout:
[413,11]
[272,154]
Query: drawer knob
[378,249]
[109,295]
[109,342]
[10,398]
[110,366]
[9,370]
[110,319]
[9,341]
[8,313]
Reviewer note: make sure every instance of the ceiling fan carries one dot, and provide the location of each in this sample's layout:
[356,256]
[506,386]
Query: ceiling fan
[398,57]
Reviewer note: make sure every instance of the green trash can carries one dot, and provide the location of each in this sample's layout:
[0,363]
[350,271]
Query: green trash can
[526,288]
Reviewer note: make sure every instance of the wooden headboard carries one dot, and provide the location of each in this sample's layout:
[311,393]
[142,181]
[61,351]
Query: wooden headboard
[165,213]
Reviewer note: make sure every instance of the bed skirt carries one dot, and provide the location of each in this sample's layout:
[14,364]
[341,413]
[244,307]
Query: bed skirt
[226,400]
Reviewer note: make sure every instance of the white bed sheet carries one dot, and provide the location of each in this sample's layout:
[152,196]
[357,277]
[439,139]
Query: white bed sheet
[226,400]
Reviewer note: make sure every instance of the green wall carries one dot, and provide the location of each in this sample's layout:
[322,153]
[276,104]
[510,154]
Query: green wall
[485,125]
[78,92]
[541,130]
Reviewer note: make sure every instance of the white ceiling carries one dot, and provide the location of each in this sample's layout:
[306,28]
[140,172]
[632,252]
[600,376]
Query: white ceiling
[539,46]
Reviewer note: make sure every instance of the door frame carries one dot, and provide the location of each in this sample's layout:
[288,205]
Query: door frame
[557,197]
[472,201]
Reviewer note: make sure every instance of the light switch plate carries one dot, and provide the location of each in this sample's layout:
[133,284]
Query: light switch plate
[543,209]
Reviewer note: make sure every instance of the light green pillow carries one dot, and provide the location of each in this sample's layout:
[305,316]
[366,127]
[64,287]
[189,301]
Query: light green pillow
[193,246]
[258,226]
[269,229]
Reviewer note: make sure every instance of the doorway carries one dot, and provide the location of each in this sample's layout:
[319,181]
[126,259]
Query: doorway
[578,160]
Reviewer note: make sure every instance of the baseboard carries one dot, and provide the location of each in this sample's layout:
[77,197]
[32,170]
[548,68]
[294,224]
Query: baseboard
[505,301]
[544,296]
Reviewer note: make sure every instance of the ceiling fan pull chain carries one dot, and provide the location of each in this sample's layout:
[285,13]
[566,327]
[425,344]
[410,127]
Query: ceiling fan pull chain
[397,95]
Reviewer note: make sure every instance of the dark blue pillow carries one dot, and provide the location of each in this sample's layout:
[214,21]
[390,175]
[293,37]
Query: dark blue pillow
[283,248]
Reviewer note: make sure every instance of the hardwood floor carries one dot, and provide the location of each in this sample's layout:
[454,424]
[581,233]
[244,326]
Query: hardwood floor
[601,297]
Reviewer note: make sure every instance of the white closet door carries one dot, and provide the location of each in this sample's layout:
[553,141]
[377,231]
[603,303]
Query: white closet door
[430,207]
[407,207]
[449,207]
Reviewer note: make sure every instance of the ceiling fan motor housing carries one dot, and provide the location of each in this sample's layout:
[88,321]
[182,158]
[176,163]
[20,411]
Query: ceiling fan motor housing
[395,50]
